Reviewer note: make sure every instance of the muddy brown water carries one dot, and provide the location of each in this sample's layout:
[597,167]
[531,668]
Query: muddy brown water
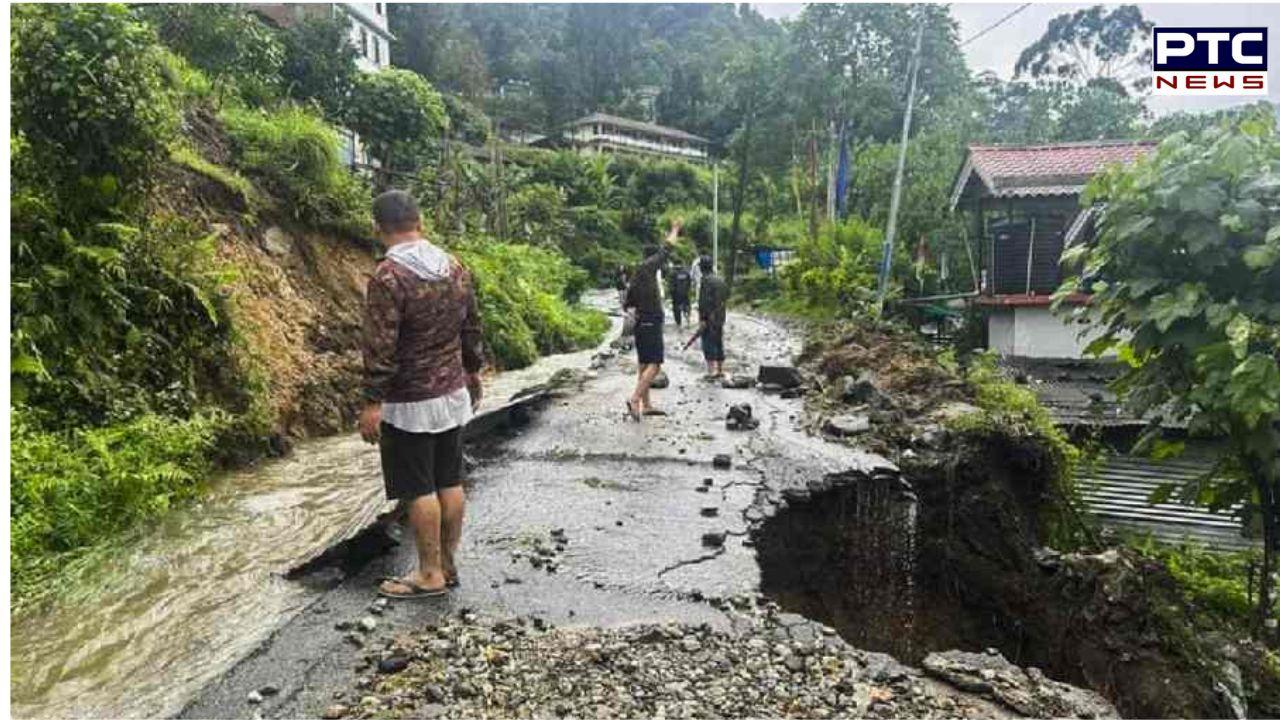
[192,595]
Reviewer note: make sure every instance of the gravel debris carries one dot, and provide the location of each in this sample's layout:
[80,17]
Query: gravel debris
[770,665]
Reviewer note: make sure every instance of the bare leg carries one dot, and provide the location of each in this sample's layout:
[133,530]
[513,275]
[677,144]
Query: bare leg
[452,509]
[651,372]
[424,518]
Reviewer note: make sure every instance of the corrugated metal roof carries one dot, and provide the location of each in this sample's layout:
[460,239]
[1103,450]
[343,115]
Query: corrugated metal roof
[1042,170]
[1117,492]
[638,125]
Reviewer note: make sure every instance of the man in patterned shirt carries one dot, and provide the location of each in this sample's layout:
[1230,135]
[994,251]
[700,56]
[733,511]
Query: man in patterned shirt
[422,357]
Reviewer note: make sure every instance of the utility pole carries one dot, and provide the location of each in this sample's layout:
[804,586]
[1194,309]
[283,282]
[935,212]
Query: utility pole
[896,197]
[715,216]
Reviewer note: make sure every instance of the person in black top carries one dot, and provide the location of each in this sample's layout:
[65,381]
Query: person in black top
[712,297]
[681,283]
[645,303]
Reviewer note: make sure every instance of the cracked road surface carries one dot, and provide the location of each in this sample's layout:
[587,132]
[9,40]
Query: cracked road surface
[630,504]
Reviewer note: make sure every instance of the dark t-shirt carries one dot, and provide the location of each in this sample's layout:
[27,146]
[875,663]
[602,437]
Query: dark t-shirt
[643,294]
[681,282]
[712,298]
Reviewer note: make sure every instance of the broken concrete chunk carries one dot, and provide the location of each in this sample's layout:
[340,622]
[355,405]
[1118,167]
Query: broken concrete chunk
[713,539]
[783,376]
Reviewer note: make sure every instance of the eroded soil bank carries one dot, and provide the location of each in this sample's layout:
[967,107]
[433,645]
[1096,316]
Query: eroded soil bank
[954,556]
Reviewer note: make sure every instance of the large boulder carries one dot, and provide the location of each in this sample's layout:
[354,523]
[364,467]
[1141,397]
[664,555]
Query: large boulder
[782,376]
[1025,691]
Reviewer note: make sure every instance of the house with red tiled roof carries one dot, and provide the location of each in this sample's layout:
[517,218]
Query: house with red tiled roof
[1024,201]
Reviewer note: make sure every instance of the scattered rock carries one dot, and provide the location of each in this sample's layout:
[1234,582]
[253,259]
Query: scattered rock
[721,461]
[860,390]
[847,425]
[333,712]
[277,242]
[713,539]
[709,511]
[393,664]
[737,382]
[368,624]
[255,697]
[660,381]
[782,376]
[268,691]
[739,418]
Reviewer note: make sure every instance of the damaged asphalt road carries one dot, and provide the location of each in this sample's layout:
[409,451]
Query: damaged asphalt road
[581,517]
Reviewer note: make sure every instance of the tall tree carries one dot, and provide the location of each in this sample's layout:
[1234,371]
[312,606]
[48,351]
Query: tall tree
[1092,45]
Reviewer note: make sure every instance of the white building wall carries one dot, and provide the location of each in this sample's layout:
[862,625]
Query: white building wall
[1036,332]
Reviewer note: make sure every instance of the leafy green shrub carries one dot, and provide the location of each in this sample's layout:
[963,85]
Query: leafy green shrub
[89,97]
[835,272]
[320,64]
[112,319]
[1214,582]
[522,291]
[298,157]
[397,114]
[241,53]
[74,489]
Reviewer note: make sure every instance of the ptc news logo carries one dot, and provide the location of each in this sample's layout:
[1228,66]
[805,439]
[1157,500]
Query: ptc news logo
[1209,61]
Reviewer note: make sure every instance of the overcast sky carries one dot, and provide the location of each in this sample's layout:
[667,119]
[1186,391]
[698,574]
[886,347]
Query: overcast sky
[998,50]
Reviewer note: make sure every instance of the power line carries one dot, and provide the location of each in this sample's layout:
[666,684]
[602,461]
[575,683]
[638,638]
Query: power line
[996,24]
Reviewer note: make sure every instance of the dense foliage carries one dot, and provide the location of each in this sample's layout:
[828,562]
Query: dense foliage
[320,64]
[132,380]
[297,157]
[104,119]
[1186,282]
[239,53]
[397,113]
[524,295]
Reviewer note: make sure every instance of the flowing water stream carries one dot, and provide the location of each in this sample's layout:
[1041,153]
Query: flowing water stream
[192,595]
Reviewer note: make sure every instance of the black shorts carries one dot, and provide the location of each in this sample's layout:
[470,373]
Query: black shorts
[416,464]
[649,340]
[713,343]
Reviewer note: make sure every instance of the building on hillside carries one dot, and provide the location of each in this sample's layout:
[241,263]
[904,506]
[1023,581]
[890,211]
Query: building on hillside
[600,133]
[370,37]
[1025,205]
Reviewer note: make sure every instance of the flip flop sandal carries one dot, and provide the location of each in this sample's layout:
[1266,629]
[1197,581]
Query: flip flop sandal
[416,592]
[631,411]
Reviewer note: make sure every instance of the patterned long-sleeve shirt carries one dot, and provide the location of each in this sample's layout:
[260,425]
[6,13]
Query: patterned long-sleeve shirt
[421,336]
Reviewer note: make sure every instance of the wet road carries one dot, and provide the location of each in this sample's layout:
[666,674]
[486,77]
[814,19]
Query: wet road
[185,600]
[626,496]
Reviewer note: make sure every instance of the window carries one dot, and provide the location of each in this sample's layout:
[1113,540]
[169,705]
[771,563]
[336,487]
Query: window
[377,51]
[377,8]
[364,42]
